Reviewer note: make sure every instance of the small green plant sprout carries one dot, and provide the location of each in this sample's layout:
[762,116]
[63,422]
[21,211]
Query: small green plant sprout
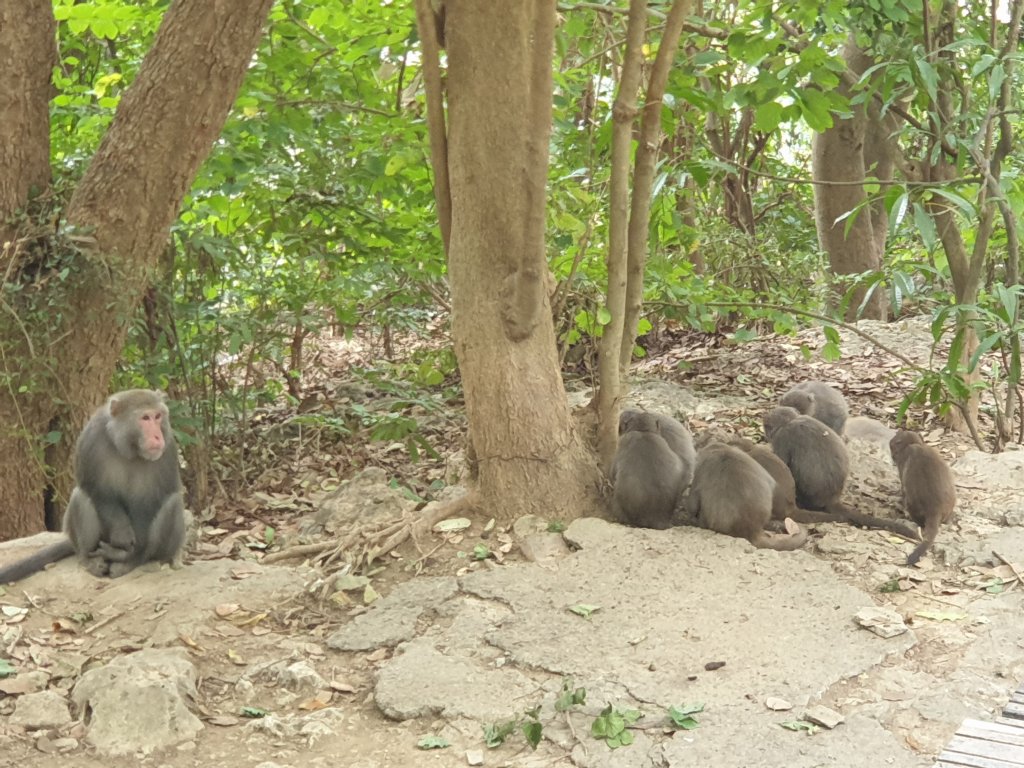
[800,725]
[570,697]
[584,610]
[481,552]
[496,733]
[612,726]
[681,717]
[254,712]
[556,526]
[531,727]
[432,742]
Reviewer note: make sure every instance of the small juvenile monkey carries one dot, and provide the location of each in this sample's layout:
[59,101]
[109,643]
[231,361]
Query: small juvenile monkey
[126,508]
[675,433]
[732,494]
[817,457]
[647,474]
[819,400]
[928,489]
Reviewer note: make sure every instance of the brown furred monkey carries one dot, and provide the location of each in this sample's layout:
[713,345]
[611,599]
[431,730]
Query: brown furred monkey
[647,475]
[927,483]
[818,459]
[126,508]
[732,494]
[820,401]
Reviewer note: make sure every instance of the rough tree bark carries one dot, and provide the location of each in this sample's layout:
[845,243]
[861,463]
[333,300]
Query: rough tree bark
[530,457]
[119,216]
[853,149]
[28,53]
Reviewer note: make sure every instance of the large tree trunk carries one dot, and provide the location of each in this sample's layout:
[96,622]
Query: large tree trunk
[28,53]
[842,156]
[531,459]
[119,215]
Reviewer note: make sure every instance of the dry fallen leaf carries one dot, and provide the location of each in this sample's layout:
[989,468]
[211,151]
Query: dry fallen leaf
[226,609]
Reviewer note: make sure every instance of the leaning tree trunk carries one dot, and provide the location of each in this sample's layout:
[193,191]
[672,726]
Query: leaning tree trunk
[530,458]
[118,221]
[852,230]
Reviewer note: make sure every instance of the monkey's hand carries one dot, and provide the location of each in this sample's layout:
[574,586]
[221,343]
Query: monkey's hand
[112,553]
[122,537]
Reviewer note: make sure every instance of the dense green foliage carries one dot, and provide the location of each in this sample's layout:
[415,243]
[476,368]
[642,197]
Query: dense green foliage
[315,209]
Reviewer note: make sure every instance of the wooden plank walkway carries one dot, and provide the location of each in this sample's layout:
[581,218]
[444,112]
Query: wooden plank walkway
[989,745]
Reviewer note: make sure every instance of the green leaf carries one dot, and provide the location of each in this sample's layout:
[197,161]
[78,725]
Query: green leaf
[682,716]
[768,116]
[800,725]
[254,712]
[533,731]
[929,77]
[815,109]
[496,733]
[432,742]
[584,610]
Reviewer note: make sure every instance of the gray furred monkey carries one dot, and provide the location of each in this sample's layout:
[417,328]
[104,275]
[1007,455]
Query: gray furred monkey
[732,494]
[648,476]
[675,433]
[784,496]
[819,400]
[819,461]
[126,508]
[927,484]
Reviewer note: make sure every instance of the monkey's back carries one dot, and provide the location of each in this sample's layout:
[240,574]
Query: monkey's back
[731,492]
[816,456]
[648,478]
[927,484]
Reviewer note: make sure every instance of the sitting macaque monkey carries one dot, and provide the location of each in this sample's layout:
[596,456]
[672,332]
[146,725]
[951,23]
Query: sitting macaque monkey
[784,496]
[648,476]
[126,508]
[676,434]
[927,483]
[818,459]
[732,494]
[819,400]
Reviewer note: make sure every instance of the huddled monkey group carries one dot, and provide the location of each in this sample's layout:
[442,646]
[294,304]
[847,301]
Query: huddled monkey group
[126,508]
[751,491]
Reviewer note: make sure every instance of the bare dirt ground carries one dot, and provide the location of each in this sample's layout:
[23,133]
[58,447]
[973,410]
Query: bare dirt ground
[458,631]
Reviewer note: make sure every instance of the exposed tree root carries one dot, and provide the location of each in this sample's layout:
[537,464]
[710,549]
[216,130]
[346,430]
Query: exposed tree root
[361,546]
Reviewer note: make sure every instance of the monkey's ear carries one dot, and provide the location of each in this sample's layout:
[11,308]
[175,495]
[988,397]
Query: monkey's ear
[116,405]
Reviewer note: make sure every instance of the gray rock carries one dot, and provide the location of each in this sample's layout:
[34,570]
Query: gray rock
[46,709]
[393,619]
[139,702]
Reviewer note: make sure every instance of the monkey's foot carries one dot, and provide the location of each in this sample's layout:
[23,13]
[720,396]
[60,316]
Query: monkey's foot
[97,565]
[120,569]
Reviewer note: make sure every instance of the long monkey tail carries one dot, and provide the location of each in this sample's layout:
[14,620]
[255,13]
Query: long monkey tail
[36,562]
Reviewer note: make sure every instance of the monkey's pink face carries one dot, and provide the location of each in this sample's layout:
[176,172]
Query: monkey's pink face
[151,435]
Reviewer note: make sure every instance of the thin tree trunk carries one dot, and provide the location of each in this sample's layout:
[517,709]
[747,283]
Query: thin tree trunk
[531,459]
